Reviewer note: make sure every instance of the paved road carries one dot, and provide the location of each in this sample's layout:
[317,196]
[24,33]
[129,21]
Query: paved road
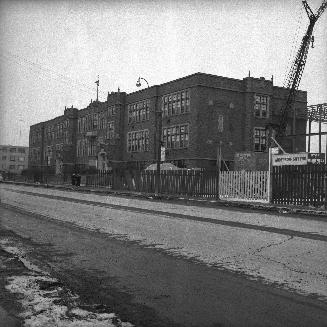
[147,287]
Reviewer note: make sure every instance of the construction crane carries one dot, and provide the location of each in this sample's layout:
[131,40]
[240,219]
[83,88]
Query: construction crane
[296,71]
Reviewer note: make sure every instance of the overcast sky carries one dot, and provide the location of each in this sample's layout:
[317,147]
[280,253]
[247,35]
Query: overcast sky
[53,51]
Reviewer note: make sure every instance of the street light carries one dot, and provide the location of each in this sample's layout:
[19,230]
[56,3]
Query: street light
[158,126]
[138,83]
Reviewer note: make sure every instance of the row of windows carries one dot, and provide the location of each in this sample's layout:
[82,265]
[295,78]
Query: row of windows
[96,120]
[176,103]
[138,141]
[86,147]
[176,137]
[13,150]
[87,123]
[13,158]
[57,131]
[139,111]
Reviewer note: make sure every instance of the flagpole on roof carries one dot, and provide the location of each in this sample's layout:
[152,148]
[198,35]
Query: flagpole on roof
[97,83]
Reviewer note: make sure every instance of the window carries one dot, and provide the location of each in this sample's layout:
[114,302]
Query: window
[95,121]
[111,130]
[102,121]
[261,106]
[11,167]
[20,167]
[12,150]
[176,103]
[138,141]
[260,139]
[21,150]
[139,111]
[92,146]
[12,158]
[4,158]
[4,149]
[66,138]
[111,111]
[21,159]
[176,137]
[82,147]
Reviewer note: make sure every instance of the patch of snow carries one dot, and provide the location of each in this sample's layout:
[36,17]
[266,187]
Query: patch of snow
[43,307]
[42,311]
[20,254]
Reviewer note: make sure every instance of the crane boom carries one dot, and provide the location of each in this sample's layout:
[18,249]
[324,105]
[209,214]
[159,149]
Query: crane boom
[296,71]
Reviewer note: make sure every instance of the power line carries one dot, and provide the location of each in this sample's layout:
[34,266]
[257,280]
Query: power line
[42,68]
[42,77]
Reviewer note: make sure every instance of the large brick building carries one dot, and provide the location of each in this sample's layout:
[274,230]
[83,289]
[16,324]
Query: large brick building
[199,113]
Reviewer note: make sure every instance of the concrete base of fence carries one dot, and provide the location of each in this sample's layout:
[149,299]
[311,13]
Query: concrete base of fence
[267,207]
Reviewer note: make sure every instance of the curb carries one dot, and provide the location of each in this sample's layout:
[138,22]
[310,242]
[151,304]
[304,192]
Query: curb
[285,209]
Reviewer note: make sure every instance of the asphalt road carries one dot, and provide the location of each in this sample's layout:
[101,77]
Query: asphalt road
[147,287]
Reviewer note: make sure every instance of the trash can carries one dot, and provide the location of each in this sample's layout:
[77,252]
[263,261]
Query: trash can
[73,179]
[78,180]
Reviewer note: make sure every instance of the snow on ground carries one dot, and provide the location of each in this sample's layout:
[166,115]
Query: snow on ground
[41,297]
[292,262]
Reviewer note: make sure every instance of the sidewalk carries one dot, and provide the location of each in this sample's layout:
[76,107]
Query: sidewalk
[258,206]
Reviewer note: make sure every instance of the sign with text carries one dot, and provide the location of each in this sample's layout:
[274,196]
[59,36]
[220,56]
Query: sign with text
[316,158]
[290,159]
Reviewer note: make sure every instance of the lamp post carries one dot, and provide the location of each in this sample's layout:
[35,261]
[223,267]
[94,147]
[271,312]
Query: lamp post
[138,83]
[157,138]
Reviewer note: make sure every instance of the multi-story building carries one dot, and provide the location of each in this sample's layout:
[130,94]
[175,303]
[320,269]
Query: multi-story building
[53,143]
[196,115]
[99,132]
[13,159]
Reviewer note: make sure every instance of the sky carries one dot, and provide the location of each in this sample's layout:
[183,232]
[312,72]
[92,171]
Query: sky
[52,52]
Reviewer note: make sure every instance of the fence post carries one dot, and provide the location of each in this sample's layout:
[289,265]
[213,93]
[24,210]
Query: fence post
[270,177]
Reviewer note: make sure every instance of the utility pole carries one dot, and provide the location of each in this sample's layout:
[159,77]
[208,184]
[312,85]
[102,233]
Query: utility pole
[157,144]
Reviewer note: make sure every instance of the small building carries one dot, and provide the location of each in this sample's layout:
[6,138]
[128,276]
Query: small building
[197,116]
[13,158]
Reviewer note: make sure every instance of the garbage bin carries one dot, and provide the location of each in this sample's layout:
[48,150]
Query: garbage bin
[73,179]
[78,180]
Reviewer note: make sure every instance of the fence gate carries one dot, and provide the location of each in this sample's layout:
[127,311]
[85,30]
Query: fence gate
[244,185]
[299,185]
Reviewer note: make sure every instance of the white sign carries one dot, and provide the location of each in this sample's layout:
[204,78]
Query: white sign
[163,153]
[290,159]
